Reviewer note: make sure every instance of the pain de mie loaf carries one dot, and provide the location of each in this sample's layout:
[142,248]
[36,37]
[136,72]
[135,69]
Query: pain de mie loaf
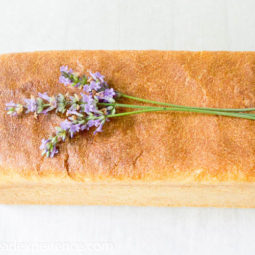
[152,159]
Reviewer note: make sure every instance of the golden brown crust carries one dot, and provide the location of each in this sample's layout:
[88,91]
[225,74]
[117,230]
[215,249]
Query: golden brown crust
[152,148]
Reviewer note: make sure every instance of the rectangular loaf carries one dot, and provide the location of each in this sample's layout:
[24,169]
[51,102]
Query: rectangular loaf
[158,159]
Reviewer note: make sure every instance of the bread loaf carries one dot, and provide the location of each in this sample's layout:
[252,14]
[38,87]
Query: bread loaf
[158,159]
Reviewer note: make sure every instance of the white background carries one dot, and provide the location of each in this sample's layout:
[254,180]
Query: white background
[122,24]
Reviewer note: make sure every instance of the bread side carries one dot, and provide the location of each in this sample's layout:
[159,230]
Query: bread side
[236,195]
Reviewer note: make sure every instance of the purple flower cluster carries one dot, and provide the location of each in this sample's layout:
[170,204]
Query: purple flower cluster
[48,147]
[83,111]
[107,95]
[73,126]
[98,123]
[95,82]
[41,104]
[68,125]
[97,76]
[90,104]
[31,104]
[66,75]
[96,90]
[52,102]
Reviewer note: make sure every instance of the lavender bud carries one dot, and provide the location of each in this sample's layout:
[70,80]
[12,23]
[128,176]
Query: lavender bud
[14,109]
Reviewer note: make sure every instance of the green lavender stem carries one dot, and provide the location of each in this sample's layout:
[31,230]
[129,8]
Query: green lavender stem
[182,106]
[177,109]
[182,110]
[129,105]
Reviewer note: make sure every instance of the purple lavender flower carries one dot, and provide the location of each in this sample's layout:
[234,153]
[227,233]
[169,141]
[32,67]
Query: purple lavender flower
[98,123]
[90,104]
[10,107]
[75,128]
[44,145]
[97,76]
[92,123]
[109,93]
[65,77]
[89,108]
[99,127]
[51,100]
[64,80]
[48,148]
[10,104]
[95,85]
[31,105]
[53,151]
[66,124]
[44,96]
[64,69]
[14,109]
[69,126]
[87,88]
[83,127]
[87,98]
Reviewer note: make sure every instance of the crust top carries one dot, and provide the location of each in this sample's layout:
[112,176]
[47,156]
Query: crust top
[151,147]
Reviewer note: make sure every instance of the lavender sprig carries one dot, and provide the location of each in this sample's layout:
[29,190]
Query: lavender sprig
[93,83]
[71,126]
[60,104]
[49,146]
[82,111]
[95,105]
[68,77]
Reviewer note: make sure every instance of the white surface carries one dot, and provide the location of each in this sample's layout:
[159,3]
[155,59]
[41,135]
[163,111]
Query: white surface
[159,24]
